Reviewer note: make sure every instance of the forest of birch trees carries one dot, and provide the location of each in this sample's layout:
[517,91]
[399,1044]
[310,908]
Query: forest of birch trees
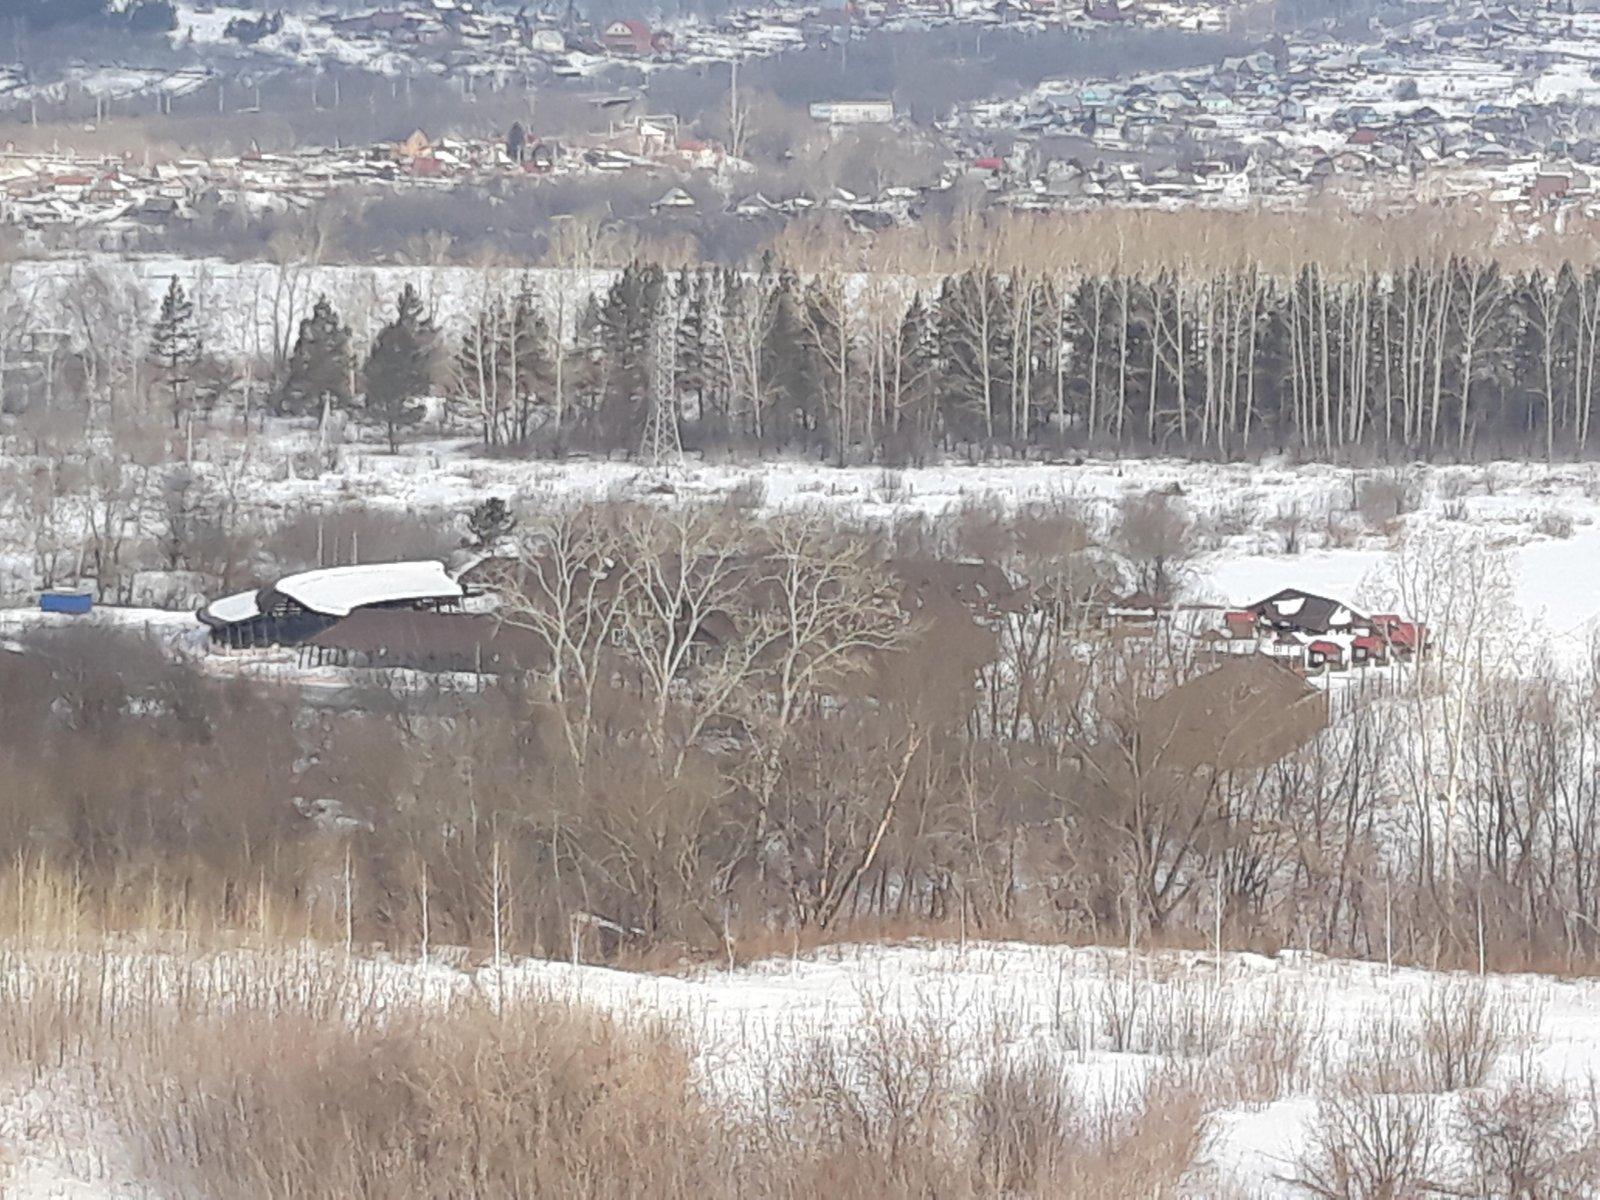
[1451,359]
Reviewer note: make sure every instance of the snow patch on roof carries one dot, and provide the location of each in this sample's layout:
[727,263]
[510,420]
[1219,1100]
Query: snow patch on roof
[338,591]
[240,606]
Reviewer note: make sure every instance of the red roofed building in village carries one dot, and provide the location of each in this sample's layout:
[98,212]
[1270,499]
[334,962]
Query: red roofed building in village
[1548,187]
[1324,654]
[1369,650]
[1319,634]
[633,37]
[1239,623]
[1407,638]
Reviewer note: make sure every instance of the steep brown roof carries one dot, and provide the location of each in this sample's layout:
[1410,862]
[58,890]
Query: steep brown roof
[983,587]
[404,638]
[1248,713]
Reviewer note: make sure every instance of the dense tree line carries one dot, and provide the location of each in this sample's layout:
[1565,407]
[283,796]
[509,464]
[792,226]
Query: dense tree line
[1450,360]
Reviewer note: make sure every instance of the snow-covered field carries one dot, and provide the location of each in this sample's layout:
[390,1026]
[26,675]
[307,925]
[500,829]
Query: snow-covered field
[1111,1019]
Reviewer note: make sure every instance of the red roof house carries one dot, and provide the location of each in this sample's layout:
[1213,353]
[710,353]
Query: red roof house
[1321,653]
[1407,637]
[1549,186]
[1369,648]
[634,38]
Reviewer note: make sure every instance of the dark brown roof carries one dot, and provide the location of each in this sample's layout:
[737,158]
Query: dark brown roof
[1302,611]
[1247,713]
[983,587]
[424,639]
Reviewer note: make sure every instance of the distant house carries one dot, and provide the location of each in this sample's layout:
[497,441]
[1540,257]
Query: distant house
[415,145]
[853,112]
[1405,639]
[1294,611]
[539,156]
[1323,655]
[634,38]
[426,166]
[1547,188]
[299,606]
[1104,10]
[1239,623]
[675,199]
[1369,650]
[830,18]
[546,41]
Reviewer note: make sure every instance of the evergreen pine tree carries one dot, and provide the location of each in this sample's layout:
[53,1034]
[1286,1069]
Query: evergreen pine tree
[913,417]
[175,346]
[525,352]
[626,319]
[400,368]
[319,368]
[490,522]
[793,375]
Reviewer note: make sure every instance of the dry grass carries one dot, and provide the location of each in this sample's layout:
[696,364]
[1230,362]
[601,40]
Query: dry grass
[1369,1146]
[303,1074]
[1464,1034]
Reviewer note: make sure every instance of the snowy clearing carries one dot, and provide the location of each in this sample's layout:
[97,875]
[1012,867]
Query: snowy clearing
[1110,1018]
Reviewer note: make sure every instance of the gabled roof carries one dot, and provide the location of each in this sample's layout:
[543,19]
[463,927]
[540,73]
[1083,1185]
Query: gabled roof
[1245,714]
[1303,611]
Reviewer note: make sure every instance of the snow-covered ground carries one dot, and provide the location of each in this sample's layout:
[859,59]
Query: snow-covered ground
[1111,1019]
[1545,518]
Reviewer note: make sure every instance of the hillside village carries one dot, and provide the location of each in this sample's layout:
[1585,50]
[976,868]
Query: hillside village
[1493,106]
[1489,107]
[113,199]
[490,44]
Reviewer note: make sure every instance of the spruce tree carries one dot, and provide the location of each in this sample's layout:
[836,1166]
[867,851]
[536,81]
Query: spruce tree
[525,352]
[794,379]
[175,346]
[319,368]
[490,523]
[626,319]
[400,368]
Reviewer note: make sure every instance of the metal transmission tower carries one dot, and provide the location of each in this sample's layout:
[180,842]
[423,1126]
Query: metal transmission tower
[661,444]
